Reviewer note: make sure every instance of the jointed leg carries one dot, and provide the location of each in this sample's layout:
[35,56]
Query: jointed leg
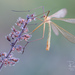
[42,35]
[30,10]
[40,24]
[37,28]
[49,38]
[34,40]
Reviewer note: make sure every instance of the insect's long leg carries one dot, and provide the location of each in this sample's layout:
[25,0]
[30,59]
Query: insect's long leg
[43,11]
[33,31]
[40,24]
[34,9]
[39,19]
[37,8]
[30,10]
[41,14]
[42,35]
[36,39]
[49,38]
[37,28]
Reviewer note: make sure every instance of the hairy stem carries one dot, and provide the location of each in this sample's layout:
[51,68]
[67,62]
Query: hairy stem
[13,44]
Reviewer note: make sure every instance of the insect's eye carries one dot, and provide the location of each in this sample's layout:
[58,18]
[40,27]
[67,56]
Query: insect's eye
[43,16]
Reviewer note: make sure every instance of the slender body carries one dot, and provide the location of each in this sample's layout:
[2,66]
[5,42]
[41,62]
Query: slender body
[56,29]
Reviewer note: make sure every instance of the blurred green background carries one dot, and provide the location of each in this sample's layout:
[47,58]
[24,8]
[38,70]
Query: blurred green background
[36,60]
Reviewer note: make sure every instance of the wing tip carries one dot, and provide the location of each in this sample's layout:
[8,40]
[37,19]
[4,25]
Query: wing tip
[65,11]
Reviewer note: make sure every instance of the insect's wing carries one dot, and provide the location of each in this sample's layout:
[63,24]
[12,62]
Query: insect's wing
[69,20]
[65,33]
[55,30]
[49,38]
[60,13]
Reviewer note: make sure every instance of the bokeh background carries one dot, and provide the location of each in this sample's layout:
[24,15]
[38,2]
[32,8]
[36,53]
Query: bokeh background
[36,60]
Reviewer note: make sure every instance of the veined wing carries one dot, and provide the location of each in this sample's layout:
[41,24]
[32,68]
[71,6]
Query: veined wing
[60,13]
[65,33]
[55,30]
[69,20]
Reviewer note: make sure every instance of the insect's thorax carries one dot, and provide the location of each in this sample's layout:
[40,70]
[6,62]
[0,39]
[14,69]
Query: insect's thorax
[47,19]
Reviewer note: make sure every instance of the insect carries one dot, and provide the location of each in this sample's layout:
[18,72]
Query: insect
[56,29]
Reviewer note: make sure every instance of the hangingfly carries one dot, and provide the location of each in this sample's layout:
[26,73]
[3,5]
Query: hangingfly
[56,29]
